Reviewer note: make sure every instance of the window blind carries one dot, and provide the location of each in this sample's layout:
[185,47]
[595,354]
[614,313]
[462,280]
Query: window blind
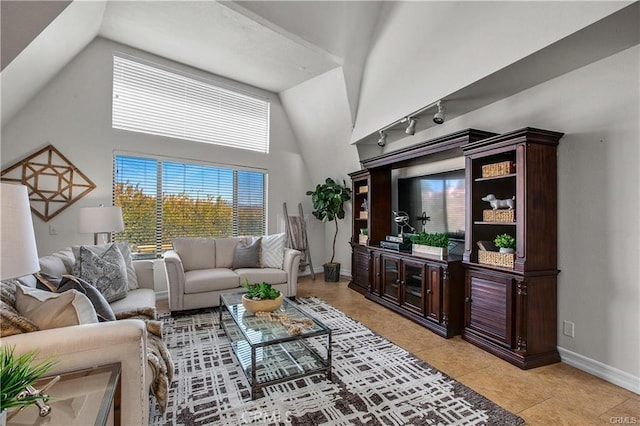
[162,200]
[154,100]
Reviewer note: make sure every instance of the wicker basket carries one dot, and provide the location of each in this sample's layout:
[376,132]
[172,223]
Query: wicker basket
[498,169]
[363,215]
[363,239]
[503,216]
[494,258]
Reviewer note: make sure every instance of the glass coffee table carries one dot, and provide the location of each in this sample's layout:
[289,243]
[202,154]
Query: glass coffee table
[267,351]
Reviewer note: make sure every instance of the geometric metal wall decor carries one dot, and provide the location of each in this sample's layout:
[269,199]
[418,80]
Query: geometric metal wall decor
[53,182]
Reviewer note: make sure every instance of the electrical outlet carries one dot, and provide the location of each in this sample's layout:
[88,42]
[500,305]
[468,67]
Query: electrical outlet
[568,328]
[52,229]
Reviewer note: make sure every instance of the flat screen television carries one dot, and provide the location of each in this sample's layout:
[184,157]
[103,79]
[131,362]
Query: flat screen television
[441,197]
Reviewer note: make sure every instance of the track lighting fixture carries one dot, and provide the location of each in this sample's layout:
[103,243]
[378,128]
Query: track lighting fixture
[438,117]
[411,128]
[383,138]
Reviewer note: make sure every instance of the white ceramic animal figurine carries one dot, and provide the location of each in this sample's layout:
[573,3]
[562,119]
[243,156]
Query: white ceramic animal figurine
[509,203]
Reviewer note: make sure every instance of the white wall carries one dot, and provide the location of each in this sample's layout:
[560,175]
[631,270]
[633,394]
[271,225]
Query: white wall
[406,70]
[73,112]
[597,107]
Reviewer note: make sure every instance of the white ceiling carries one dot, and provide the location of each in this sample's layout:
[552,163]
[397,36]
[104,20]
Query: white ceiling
[227,39]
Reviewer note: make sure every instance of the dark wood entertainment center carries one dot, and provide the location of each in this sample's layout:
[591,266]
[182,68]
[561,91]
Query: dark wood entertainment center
[510,310]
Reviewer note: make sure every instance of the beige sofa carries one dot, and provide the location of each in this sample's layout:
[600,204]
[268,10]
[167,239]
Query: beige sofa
[86,346]
[199,270]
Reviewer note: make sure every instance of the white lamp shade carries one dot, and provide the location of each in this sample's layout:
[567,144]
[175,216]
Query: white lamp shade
[19,255]
[101,219]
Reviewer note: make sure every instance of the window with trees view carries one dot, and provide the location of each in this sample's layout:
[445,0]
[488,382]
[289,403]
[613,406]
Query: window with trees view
[163,199]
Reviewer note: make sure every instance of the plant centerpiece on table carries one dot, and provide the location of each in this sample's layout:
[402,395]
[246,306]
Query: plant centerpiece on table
[16,373]
[430,244]
[328,206]
[506,243]
[261,297]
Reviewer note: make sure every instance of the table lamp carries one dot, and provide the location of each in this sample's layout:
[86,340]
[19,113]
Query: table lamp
[101,221]
[19,255]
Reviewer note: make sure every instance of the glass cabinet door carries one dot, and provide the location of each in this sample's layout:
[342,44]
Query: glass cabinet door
[390,277]
[413,286]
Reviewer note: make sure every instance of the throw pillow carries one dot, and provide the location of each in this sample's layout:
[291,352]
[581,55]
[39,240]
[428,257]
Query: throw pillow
[51,310]
[273,251]
[247,255]
[132,278]
[47,282]
[106,272]
[100,304]
[11,322]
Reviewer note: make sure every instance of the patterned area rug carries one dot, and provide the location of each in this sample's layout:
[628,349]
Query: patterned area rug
[374,383]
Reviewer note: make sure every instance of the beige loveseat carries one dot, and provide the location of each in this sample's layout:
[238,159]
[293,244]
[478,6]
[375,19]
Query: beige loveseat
[89,345]
[199,270]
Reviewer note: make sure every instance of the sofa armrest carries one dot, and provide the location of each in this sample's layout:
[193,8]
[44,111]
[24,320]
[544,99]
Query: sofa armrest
[86,346]
[144,272]
[290,265]
[175,280]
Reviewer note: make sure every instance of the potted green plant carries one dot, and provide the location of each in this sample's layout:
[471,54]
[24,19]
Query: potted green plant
[261,297]
[430,245]
[16,373]
[328,206]
[506,243]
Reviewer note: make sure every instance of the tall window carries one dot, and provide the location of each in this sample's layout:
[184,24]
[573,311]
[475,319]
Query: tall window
[162,200]
[150,99]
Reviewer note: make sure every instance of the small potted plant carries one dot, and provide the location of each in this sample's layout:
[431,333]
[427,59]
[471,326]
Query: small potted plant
[364,236]
[430,245]
[506,243]
[328,206]
[16,373]
[261,297]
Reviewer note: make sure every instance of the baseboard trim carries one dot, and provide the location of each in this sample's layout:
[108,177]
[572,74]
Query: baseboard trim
[599,369]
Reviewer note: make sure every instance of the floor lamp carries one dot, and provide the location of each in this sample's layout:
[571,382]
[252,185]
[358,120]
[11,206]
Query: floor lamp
[19,255]
[101,222]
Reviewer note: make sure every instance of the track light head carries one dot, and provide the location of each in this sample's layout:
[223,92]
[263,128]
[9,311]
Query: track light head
[383,138]
[438,117]
[411,128]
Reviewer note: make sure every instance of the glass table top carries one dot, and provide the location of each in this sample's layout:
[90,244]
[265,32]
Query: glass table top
[259,330]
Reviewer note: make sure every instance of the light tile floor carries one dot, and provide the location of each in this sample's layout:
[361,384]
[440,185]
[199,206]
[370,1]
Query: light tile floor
[552,395]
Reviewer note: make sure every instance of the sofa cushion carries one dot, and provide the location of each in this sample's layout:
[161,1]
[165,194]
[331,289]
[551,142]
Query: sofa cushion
[105,270]
[52,310]
[53,265]
[141,298]
[269,275]
[196,253]
[273,251]
[205,280]
[247,255]
[225,250]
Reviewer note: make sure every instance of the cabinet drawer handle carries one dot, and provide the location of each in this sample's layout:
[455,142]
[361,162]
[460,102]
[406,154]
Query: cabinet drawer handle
[429,291]
[467,300]
[397,281]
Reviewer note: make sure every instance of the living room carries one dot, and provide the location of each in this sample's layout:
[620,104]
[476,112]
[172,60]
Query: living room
[391,60]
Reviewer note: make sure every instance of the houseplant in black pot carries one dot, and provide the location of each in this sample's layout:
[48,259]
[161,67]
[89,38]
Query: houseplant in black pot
[328,205]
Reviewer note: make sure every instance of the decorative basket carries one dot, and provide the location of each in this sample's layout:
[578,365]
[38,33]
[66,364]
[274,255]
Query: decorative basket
[498,169]
[494,258]
[503,216]
[363,189]
[364,215]
[362,239]
[429,251]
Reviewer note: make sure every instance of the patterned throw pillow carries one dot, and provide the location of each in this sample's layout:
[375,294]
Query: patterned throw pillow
[132,278]
[247,255]
[273,251]
[50,310]
[106,272]
[11,322]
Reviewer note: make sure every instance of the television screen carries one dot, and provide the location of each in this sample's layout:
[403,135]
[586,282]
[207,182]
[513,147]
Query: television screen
[440,197]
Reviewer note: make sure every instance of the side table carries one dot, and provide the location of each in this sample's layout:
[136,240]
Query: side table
[85,397]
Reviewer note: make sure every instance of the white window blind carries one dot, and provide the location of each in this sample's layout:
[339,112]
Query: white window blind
[153,100]
[162,200]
